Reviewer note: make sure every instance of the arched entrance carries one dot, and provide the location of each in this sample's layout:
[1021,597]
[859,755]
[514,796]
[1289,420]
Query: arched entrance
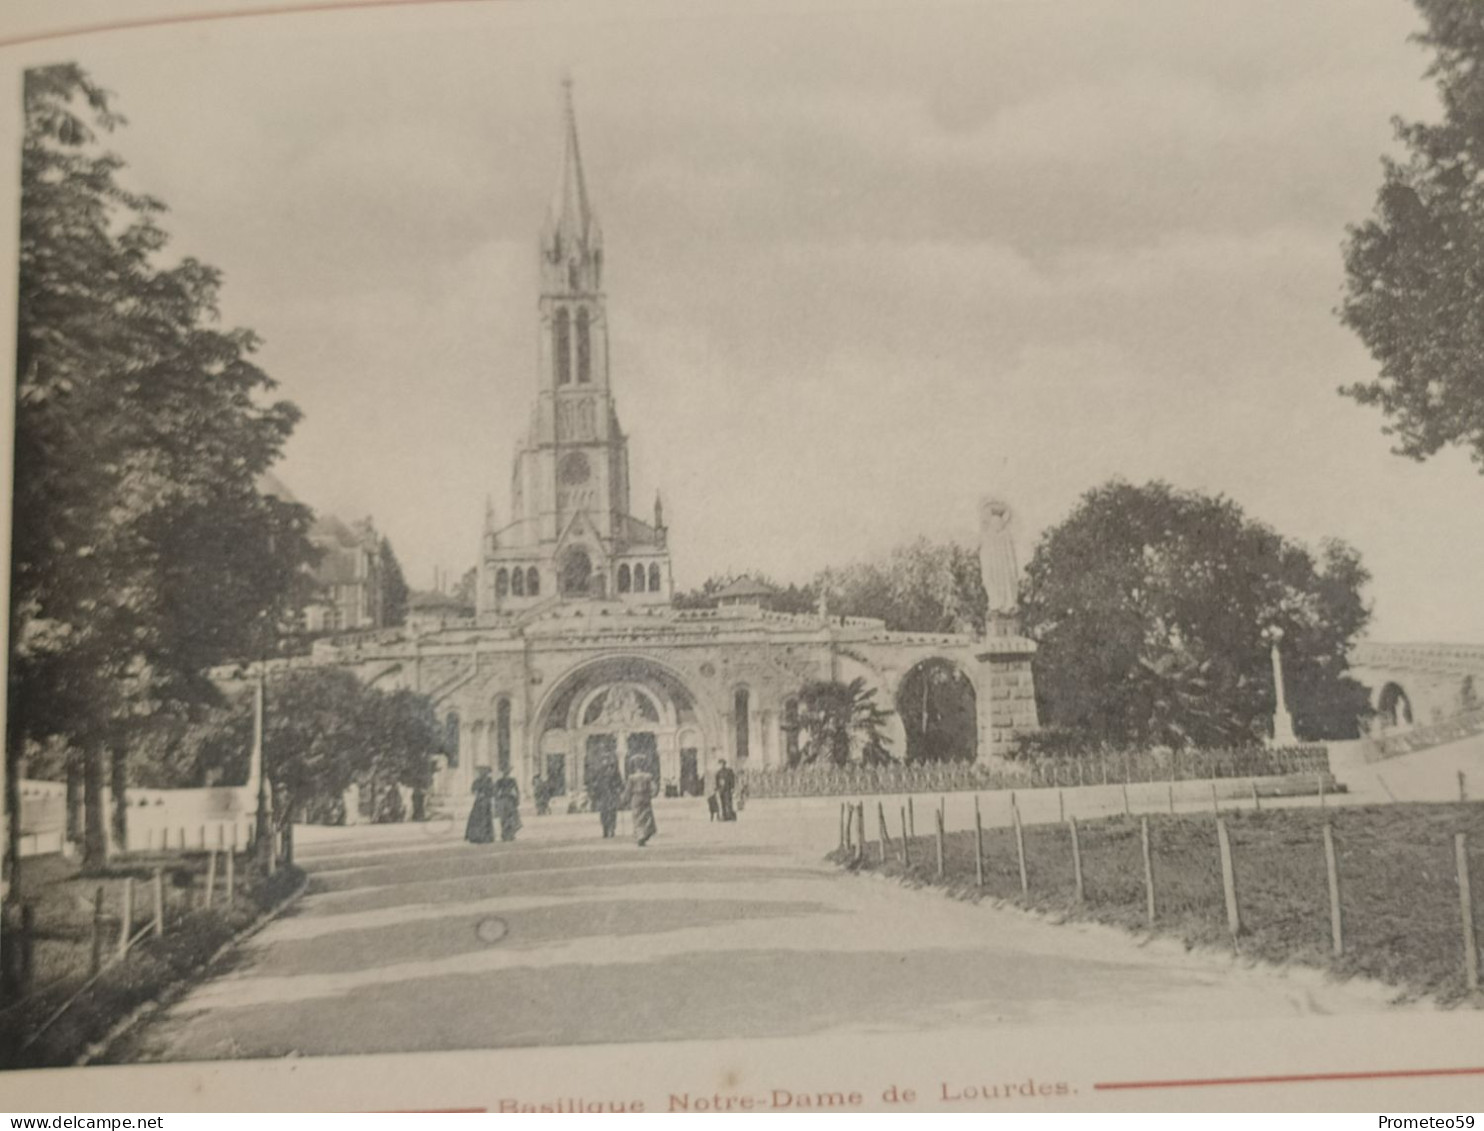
[1393,706]
[625,711]
[939,712]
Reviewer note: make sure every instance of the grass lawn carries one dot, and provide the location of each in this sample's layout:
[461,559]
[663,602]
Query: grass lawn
[1399,884]
[62,902]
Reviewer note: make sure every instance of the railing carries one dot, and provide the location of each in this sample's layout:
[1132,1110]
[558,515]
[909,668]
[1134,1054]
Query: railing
[1425,735]
[1111,768]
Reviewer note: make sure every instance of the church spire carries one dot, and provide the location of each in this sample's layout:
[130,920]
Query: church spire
[572,243]
[573,214]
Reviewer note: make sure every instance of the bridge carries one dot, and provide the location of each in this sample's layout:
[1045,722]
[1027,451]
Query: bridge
[1419,684]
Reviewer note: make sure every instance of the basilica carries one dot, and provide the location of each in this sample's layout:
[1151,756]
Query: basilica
[575,653]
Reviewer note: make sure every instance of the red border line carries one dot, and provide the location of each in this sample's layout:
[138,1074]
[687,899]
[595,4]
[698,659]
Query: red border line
[230,14]
[1311,1078]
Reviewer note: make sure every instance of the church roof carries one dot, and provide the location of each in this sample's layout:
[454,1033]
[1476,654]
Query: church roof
[271,486]
[745,588]
[329,529]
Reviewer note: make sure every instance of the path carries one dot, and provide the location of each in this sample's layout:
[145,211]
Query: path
[410,939]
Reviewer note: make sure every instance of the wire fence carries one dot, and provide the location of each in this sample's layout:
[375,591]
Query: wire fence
[1388,892]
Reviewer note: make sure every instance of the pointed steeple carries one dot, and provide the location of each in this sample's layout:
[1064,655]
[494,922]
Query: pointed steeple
[571,213]
[571,245]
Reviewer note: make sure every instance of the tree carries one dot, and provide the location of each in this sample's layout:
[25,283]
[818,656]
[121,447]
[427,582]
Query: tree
[394,590]
[142,550]
[919,587]
[323,731]
[1150,604]
[1415,269]
[840,723]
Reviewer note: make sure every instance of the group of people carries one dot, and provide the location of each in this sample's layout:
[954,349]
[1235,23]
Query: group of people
[493,801]
[607,790]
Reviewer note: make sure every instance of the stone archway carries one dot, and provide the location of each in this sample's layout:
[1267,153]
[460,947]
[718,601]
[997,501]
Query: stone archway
[1394,706]
[938,708]
[631,710]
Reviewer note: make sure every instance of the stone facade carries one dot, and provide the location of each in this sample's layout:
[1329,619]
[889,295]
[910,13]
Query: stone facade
[584,656]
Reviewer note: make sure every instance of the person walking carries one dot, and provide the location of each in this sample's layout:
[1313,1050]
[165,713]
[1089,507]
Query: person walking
[605,793]
[640,792]
[541,794]
[507,806]
[726,786]
[481,826]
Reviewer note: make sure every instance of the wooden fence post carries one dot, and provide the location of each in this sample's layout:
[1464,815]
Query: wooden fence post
[881,827]
[911,817]
[210,877]
[1332,869]
[1256,801]
[126,917]
[847,819]
[842,826]
[1466,906]
[159,892]
[28,945]
[231,878]
[1061,807]
[1215,805]
[1077,891]
[95,962]
[1148,869]
[940,843]
[860,813]
[1171,790]
[1025,884]
[978,844]
[1228,880]
[1127,811]
[906,840]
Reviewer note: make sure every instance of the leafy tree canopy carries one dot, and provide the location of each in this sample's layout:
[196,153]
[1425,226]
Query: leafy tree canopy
[1415,269]
[142,550]
[324,730]
[839,723]
[394,591]
[1150,607]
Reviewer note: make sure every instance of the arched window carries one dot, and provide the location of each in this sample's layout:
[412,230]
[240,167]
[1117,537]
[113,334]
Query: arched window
[584,349]
[791,731]
[451,738]
[502,735]
[561,356]
[654,577]
[741,709]
[517,582]
[623,579]
[533,582]
[502,582]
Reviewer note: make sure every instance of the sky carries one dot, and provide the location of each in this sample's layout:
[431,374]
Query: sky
[865,263]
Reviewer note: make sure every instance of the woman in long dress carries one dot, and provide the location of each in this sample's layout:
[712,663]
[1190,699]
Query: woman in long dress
[507,806]
[481,826]
[640,791]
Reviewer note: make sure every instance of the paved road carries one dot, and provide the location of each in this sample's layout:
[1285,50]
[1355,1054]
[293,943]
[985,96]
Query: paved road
[410,939]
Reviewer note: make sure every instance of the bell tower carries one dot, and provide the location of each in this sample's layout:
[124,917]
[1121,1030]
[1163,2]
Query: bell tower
[570,487]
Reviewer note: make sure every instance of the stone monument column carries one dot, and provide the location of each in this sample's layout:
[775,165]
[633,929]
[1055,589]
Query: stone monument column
[1005,686]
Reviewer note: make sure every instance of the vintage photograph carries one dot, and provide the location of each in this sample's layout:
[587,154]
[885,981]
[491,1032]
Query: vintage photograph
[539,526]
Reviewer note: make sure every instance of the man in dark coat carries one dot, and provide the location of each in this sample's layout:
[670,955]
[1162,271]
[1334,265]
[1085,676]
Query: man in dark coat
[726,785]
[605,793]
